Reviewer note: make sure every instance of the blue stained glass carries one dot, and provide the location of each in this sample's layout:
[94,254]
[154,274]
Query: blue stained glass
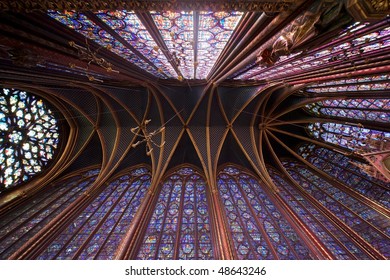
[215,29]
[30,218]
[331,54]
[376,109]
[82,24]
[174,217]
[129,27]
[249,221]
[342,167]
[320,225]
[111,210]
[29,137]
[176,29]
[352,137]
[339,86]
[351,211]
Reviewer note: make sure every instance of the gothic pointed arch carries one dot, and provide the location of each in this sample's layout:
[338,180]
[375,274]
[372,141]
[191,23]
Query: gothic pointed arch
[180,226]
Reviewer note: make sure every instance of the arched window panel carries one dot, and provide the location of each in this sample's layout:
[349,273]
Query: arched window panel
[255,223]
[352,28]
[252,72]
[180,225]
[215,29]
[83,25]
[353,137]
[366,83]
[334,239]
[342,167]
[177,30]
[24,222]
[371,225]
[29,136]
[129,27]
[346,50]
[248,240]
[376,110]
[98,230]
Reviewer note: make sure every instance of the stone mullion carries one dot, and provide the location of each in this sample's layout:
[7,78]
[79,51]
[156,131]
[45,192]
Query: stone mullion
[223,243]
[298,225]
[51,201]
[85,222]
[176,254]
[355,238]
[312,242]
[242,223]
[36,245]
[132,240]
[370,29]
[275,223]
[345,188]
[354,235]
[257,220]
[104,218]
[352,172]
[320,246]
[142,184]
[197,243]
[358,240]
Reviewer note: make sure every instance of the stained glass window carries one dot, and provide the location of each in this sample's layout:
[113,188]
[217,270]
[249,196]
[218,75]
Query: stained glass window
[82,24]
[340,50]
[353,137]
[29,136]
[180,225]
[258,228]
[342,167]
[361,109]
[335,240]
[374,83]
[17,227]
[177,31]
[370,224]
[129,27]
[377,82]
[215,29]
[99,228]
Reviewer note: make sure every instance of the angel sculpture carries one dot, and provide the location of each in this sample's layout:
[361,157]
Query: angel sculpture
[147,137]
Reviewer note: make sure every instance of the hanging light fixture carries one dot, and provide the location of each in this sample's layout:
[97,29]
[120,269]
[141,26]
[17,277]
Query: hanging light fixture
[86,54]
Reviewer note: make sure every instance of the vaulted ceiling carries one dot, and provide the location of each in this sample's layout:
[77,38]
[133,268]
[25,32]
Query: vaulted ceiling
[226,79]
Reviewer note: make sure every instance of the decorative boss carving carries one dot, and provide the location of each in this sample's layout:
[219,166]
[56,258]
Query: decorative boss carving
[368,10]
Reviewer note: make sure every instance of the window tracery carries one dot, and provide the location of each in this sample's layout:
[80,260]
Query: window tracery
[29,137]
[367,222]
[180,225]
[258,228]
[194,56]
[354,137]
[334,239]
[24,222]
[343,49]
[129,27]
[215,29]
[83,25]
[341,167]
[99,228]
[377,110]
